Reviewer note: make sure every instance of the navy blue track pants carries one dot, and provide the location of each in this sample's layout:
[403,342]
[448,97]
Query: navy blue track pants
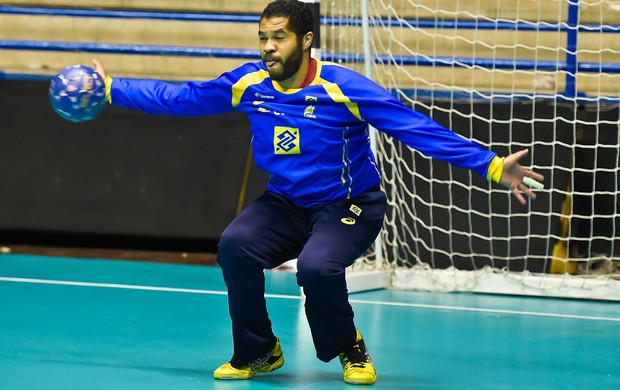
[325,240]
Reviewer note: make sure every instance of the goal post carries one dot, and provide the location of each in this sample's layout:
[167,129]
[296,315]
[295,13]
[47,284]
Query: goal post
[511,75]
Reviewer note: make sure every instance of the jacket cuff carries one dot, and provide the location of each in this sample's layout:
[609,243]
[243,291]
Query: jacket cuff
[108,89]
[496,168]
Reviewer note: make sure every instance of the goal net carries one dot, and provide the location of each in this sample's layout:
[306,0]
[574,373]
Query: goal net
[512,75]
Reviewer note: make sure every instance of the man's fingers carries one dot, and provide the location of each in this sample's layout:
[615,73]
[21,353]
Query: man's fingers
[99,67]
[529,182]
[517,193]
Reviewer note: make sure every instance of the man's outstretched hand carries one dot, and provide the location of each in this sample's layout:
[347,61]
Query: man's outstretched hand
[99,68]
[513,174]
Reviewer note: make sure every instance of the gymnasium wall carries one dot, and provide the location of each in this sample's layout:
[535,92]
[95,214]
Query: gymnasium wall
[524,45]
[135,180]
[128,179]
[125,179]
[492,215]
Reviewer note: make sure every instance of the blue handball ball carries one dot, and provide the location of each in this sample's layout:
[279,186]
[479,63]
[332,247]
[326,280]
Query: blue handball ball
[77,93]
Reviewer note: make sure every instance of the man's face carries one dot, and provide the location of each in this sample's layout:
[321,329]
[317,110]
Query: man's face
[280,49]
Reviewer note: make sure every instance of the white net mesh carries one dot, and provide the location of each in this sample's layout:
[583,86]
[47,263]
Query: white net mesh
[512,75]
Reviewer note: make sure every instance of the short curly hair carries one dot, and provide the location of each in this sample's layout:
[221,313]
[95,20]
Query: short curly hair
[300,19]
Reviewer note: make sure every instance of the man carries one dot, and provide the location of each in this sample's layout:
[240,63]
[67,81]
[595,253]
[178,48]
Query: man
[323,204]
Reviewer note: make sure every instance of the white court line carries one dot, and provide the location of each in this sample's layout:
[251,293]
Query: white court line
[296,297]
[494,311]
[112,285]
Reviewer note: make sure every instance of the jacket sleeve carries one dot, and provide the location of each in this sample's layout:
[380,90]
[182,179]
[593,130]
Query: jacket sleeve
[190,98]
[386,113]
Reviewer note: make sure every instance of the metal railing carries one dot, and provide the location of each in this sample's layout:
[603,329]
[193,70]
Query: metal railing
[571,66]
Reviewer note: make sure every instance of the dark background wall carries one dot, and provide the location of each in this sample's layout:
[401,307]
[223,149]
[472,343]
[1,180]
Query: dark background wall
[125,179]
[596,225]
[504,228]
[130,180]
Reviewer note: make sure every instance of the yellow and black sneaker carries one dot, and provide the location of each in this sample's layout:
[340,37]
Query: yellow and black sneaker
[271,362]
[357,364]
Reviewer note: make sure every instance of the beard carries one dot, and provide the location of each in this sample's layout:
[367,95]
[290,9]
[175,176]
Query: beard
[289,66]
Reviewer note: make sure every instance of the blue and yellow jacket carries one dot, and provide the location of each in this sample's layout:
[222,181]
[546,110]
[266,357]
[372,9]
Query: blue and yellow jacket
[313,141]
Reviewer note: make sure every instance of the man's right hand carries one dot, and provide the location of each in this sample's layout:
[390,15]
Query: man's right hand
[99,68]
[107,80]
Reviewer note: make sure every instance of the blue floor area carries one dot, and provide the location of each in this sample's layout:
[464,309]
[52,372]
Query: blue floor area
[103,324]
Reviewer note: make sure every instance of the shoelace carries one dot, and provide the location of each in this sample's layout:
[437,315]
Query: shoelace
[261,362]
[355,356]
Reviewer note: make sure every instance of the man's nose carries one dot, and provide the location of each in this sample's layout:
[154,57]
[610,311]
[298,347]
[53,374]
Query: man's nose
[269,46]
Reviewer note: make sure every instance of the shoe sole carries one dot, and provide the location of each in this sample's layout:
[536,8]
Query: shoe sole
[364,382]
[279,363]
[233,378]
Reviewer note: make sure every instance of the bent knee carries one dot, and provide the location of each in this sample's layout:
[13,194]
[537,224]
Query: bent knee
[313,271]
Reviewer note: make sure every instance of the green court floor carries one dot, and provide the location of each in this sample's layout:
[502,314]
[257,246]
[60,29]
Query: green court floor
[102,324]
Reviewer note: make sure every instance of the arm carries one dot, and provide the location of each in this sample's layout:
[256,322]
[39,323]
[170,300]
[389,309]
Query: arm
[388,114]
[157,97]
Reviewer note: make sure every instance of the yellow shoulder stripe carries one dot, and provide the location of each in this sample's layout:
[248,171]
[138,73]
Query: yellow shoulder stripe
[336,94]
[243,83]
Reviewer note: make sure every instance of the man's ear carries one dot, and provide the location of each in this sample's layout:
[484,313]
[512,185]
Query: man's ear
[307,40]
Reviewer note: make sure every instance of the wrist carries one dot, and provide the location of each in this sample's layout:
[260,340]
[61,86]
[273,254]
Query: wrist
[108,89]
[495,170]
